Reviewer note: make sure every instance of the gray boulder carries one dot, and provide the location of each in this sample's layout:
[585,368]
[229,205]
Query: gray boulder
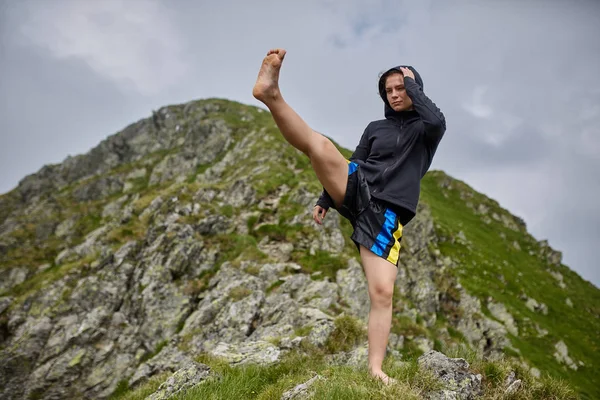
[459,383]
[247,353]
[500,312]
[181,381]
[300,391]
[168,359]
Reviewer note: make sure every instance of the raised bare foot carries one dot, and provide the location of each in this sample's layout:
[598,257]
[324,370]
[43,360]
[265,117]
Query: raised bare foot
[266,87]
[382,376]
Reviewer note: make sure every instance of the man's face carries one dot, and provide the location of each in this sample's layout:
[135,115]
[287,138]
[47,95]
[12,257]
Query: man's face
[396,93]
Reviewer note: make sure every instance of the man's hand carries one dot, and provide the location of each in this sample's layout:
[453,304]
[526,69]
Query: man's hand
[319,214]
[407,72]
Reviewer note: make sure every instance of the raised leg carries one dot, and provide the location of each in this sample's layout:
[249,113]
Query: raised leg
[329,164]
[381,275]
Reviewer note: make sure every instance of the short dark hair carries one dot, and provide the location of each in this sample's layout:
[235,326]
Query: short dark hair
[383,76]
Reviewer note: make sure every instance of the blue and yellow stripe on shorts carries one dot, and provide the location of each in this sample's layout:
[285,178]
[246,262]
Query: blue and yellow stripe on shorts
[387,243]
[352,166]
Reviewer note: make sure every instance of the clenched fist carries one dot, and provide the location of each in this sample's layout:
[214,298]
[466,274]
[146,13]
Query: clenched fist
[319,214]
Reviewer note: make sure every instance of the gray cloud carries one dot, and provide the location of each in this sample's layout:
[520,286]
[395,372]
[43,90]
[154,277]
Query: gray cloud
[516,80]
[131,42]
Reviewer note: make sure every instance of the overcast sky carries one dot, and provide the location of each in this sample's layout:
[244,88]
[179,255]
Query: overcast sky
[518,81]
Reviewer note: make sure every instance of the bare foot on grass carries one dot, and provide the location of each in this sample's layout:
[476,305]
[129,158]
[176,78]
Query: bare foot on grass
[382,376]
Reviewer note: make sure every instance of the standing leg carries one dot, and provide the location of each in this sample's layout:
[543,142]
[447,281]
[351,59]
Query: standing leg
[381,275]
[329,164]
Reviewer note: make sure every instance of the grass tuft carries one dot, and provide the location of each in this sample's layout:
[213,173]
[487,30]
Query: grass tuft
[348,333]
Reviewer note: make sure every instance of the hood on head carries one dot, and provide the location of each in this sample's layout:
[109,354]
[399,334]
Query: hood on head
[388,110]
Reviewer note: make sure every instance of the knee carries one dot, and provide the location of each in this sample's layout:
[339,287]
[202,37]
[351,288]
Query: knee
[319,145]
[381,295]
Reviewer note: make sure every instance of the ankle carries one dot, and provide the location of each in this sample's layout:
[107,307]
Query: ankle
[272,99]
[375,371]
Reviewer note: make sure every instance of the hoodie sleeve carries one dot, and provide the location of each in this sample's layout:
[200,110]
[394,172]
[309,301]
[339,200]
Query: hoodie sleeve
[325,200]
[360,153]
[364,147]
[432,117]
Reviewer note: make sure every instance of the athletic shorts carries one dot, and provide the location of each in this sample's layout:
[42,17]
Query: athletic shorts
[376,226]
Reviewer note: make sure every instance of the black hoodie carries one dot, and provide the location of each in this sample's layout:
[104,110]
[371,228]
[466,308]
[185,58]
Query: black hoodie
[396,152]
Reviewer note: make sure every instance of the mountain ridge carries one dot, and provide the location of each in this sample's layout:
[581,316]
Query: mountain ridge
[217,175]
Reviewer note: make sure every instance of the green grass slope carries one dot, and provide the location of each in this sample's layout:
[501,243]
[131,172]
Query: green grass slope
[491,265]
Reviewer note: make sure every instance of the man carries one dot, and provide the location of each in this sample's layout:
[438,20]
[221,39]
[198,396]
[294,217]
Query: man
[378,189]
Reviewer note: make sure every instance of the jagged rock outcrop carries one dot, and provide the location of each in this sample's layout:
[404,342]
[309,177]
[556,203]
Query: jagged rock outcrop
[488,336]
[96,324]
[416,277]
